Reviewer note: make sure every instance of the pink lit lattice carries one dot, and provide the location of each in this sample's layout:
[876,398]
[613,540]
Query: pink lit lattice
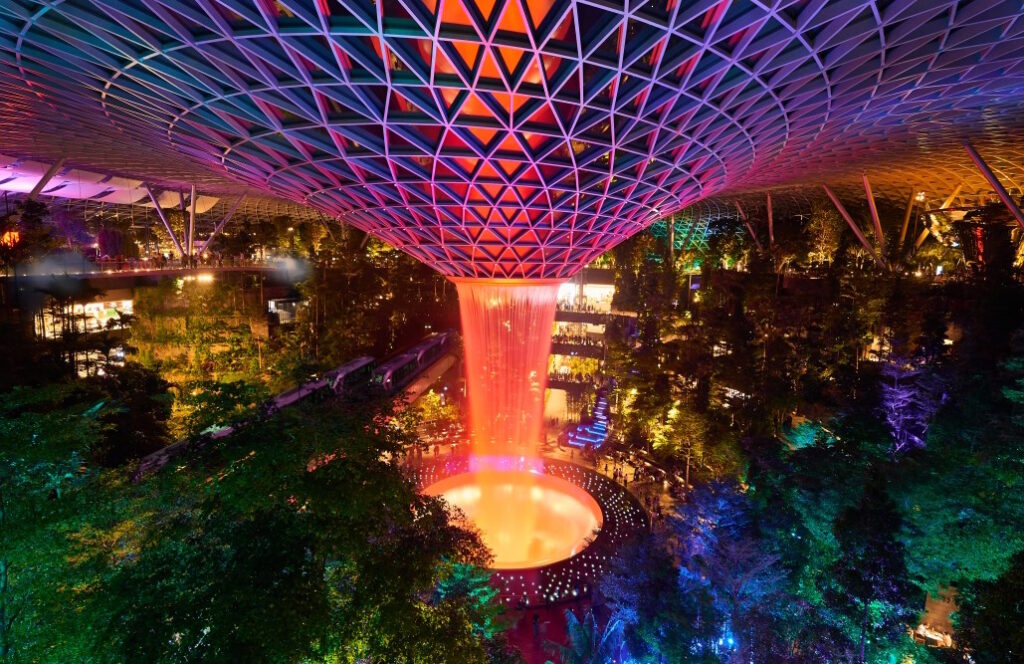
[510,138]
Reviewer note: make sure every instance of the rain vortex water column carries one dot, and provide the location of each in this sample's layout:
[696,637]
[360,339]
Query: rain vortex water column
[506,327]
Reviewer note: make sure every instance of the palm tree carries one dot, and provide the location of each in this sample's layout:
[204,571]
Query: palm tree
[587,644]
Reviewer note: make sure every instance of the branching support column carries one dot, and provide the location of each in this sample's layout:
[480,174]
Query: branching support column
[1004,195]
[853,226]
[220,225]
[750,228]
[47,176]
[163,218]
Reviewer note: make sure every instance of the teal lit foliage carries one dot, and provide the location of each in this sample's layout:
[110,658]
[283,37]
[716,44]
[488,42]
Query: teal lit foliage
[868,589]
[587,643]
[806,434]
[469,584]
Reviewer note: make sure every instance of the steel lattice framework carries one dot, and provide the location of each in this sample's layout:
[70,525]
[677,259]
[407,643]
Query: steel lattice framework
[508,138]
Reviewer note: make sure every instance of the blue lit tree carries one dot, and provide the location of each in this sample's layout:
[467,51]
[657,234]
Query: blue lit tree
[587,643]
[662,622]
[722,554]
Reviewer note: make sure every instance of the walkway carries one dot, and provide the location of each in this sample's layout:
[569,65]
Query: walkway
[652,488]
[93,271]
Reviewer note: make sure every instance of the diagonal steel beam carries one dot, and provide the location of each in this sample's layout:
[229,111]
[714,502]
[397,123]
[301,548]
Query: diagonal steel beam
[163,218]
[921,238]
[853,227]
[326,223]
[906,221]
[750,228]
[183,206]
[220,225]
[192,222]
[1004,195]
[874,215]
[952,197]
[689,233]
[47,176]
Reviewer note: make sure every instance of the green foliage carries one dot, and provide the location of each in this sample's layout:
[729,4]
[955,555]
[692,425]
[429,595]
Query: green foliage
[206,404]
[213,585]
[868,588]
[45,434]
[134,420]
[296,541]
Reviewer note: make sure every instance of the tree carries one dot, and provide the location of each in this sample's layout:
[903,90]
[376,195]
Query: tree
[660,621]
[44,437]
[212,585]
[305,542]
[587,643]
[869,585]
[909,397]
[721,554]
[824,230]
[24,234]
[990,616]
[134,419]
[964,493]
[204,404]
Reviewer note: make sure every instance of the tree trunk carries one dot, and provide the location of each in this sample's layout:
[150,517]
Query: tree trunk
[863,633]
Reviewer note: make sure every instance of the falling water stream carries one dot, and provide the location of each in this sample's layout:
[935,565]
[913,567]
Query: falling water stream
[526,518]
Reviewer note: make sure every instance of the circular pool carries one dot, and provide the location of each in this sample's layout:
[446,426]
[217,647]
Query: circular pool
[527,519]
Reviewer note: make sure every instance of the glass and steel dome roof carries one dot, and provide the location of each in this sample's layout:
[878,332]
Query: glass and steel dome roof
[510,138]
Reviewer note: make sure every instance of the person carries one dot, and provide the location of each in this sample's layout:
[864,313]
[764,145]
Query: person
[572,454]
[536,625]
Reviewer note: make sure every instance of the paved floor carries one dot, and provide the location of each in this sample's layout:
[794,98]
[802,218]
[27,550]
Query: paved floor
[646,490]
[533,640]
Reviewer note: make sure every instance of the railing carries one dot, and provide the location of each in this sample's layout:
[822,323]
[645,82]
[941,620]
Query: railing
[575,383]
[589,315]
[127,267]
[568,307]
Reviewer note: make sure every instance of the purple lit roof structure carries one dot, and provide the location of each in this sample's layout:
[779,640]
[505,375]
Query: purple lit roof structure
[514,138]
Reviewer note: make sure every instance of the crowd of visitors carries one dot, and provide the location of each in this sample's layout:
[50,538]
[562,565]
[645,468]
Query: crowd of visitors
[169,262]
[581,307]
[576,340]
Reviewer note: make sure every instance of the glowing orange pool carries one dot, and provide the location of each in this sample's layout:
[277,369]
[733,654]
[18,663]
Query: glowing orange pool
[526,519]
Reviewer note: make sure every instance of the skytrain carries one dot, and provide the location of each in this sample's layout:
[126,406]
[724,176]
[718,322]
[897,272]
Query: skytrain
[362,376]
[358,377]
[400,370]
